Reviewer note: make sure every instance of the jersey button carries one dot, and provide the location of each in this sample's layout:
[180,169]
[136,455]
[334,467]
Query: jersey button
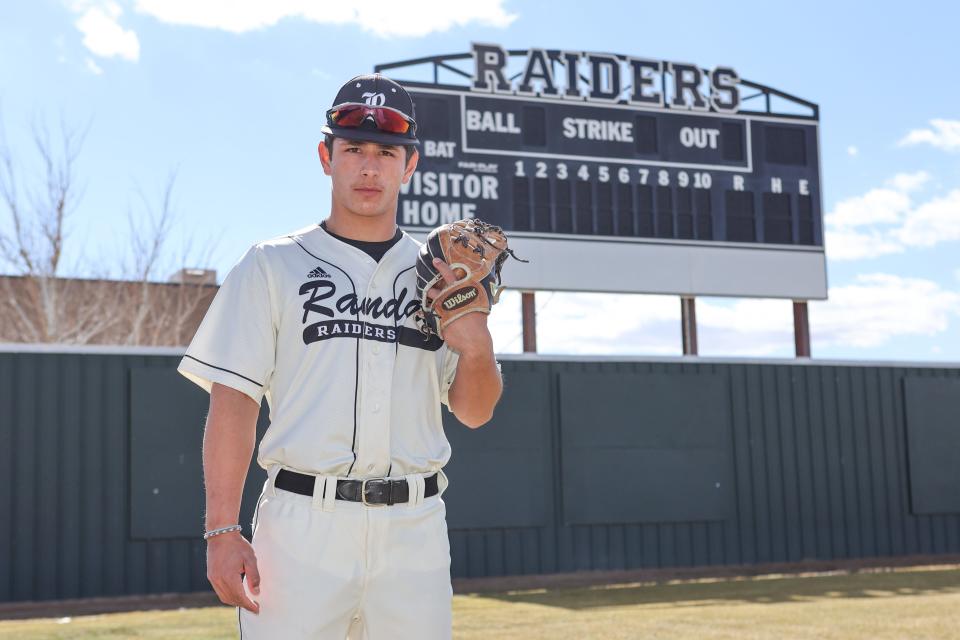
[370,467]
[376,408]
[376,349]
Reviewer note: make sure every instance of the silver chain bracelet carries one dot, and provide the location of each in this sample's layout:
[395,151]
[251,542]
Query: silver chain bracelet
[222,530]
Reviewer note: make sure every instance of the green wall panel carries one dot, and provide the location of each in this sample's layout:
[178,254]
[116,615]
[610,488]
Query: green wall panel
[933,437]
[641,447]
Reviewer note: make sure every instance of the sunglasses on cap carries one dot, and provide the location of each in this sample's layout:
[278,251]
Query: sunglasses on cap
[353,114]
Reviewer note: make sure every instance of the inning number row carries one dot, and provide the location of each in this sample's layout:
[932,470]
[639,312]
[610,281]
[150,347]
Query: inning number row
[562,171]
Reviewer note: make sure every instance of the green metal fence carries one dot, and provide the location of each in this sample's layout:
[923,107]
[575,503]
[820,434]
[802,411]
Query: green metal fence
[587,465]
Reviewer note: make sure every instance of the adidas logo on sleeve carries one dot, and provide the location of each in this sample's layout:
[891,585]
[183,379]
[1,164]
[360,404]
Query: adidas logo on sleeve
[318,273]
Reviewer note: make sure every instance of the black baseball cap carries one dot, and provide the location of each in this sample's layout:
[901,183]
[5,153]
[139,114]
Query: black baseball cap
[374,90]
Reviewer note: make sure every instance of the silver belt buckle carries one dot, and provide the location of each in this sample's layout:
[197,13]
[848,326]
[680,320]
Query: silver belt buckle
[363,493]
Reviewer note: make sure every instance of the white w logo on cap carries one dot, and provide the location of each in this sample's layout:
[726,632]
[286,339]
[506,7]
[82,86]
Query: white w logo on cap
[374,99]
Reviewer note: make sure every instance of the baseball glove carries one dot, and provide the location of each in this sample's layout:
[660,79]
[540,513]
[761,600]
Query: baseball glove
[475,251]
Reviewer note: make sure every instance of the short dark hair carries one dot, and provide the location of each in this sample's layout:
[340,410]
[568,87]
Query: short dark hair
[408,148]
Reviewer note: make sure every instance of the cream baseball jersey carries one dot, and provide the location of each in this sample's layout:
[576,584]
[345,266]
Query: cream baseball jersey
[330,337]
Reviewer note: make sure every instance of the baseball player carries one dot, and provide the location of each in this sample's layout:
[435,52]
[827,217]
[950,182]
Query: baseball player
[349,534]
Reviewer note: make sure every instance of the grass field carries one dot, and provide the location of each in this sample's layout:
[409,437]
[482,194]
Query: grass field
[913,604]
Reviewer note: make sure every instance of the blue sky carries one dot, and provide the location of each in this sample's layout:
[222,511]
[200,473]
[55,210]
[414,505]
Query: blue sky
[231,96]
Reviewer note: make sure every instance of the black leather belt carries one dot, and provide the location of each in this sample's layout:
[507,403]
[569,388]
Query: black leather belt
[375,491]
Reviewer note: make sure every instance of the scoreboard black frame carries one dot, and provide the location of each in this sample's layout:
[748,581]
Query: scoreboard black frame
[636,161]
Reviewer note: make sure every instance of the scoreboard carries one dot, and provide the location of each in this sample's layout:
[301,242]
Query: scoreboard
[659,187]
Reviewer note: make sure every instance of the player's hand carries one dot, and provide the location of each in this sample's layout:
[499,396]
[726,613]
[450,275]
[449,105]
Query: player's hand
[229,556]
[468,334]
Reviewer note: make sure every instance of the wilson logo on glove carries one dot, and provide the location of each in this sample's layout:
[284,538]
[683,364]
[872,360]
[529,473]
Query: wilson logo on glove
[459,298]
[475,251]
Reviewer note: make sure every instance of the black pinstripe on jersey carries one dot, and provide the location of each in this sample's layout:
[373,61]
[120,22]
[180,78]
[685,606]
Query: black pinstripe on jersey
[356,375]
[239,375]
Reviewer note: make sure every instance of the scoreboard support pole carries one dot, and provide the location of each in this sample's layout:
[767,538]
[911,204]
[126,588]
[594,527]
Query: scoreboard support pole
[528,308]
[801,328]
[688,321]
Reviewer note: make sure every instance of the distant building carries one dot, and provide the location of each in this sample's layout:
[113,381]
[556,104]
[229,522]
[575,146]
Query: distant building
[105,312]
[194,276]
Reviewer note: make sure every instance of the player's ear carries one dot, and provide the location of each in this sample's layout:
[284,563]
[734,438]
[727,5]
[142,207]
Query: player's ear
[411,166]
[324,156]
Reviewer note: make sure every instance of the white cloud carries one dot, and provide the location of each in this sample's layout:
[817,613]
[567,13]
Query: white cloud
[887,220]
[93,67]
[942,134]
[608,324]
[868,313]
[748,315]
[907,182]
[850,244]
[878,307]
[504,322]
[886,205]
[102,34]
[749,327]
[384,18]
[850,229]
[604,323]
[877,206]
[852,150]
[933,222]
[592,323]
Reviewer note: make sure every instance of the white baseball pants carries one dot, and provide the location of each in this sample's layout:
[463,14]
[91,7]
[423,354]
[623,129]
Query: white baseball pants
[339,570]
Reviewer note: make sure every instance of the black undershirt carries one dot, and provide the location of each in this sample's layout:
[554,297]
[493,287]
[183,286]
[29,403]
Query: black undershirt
[375,250]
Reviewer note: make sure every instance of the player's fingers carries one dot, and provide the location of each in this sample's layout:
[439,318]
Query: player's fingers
[239,597]
[253,574]
[448,275]
[434,292]
[229,588]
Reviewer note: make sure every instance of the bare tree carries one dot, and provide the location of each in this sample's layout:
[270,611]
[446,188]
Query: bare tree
[40,304]
[38,211]
[164,314]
